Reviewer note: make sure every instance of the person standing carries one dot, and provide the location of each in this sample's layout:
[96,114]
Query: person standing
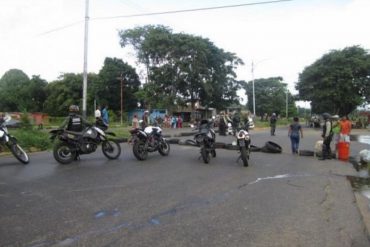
[97,113]
[179,122]
[146,120]
[327,135]
[105,115]
[135,122]
[295,132]
[336,131]
[273,121]
[345,129]
[222,125]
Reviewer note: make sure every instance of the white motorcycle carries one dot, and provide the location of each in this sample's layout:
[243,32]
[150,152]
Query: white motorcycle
[11,142]
[148,140]
[244,143]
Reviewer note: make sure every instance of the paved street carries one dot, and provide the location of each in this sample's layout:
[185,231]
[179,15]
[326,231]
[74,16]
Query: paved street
[279,200]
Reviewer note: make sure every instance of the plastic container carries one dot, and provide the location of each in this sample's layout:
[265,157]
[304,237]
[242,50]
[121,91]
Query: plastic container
[343,150]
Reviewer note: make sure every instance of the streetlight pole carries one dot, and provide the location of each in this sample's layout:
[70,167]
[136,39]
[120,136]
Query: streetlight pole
[254,97]
[84,88]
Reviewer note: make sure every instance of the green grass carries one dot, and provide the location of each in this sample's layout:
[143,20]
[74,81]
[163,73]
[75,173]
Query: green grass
[32,140]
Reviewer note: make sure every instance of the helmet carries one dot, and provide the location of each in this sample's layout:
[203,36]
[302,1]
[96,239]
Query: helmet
[326,115]
[74,108]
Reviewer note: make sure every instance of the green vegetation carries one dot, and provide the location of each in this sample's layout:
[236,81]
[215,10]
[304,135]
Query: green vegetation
[32,140]
[338,82]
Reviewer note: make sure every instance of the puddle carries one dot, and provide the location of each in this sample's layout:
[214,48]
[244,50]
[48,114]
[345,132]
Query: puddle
[361,182]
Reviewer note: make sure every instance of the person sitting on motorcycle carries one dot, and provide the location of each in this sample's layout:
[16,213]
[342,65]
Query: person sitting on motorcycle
[74,122]
[235,121]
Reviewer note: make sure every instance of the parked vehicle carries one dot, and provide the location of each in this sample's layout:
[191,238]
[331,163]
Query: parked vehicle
[11,142]
[206,139]
[69,144]
[244,143]
[148,140]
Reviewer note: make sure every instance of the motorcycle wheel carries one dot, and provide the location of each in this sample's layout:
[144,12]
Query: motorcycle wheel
[19,153]
[205,155]
[111,149]
[63,154]
[140,151]
[164,148]
[244,155]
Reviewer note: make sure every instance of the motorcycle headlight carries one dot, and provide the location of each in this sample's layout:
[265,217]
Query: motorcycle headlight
[241,135]
[199,138]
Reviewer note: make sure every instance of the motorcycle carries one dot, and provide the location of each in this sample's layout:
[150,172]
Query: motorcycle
[11,142]
[71,144]
[244,143]
[146,140]
[206,139]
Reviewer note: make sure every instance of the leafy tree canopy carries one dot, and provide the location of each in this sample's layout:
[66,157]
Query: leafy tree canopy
[270,96]
[20,93]
[107,88]
[338,82]
[182,66]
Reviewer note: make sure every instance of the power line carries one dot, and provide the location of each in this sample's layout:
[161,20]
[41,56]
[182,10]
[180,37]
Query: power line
[188,10]
[60,28]
[163,13]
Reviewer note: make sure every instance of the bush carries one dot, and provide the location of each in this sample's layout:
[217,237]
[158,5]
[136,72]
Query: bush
[32,140]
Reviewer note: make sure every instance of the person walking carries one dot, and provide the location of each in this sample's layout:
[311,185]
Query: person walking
[273,121]
[327,135]
[295,132]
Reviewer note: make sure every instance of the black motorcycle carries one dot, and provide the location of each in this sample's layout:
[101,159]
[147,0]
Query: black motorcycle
[206,139]
[71,144]
[11,142]
[147,140]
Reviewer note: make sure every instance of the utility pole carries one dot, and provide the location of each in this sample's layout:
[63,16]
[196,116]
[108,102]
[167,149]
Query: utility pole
[84,88]
[287,91]
[121,79]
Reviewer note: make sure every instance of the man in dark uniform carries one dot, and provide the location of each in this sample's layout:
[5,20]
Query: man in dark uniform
[327,135]
[74,122]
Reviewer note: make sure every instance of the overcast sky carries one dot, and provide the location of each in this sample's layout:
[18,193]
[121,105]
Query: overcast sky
[281,38]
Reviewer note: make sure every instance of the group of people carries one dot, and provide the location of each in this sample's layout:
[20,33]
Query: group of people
[334,128]
[168,121]
[234,119]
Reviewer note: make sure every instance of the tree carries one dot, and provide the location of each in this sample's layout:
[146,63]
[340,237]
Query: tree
[19,93]
[270,96]
[338,82]
[11,93]
[107,89]
[184,68]
[62,93]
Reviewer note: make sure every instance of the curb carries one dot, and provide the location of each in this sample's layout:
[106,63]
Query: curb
[363,207]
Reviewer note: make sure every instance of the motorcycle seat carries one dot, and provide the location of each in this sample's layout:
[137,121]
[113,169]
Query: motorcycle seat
[74,132]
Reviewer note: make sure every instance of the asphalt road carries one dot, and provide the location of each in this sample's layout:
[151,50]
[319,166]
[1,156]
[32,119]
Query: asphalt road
[279,200]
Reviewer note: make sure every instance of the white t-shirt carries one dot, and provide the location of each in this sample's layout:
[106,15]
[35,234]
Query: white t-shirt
[97,113]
